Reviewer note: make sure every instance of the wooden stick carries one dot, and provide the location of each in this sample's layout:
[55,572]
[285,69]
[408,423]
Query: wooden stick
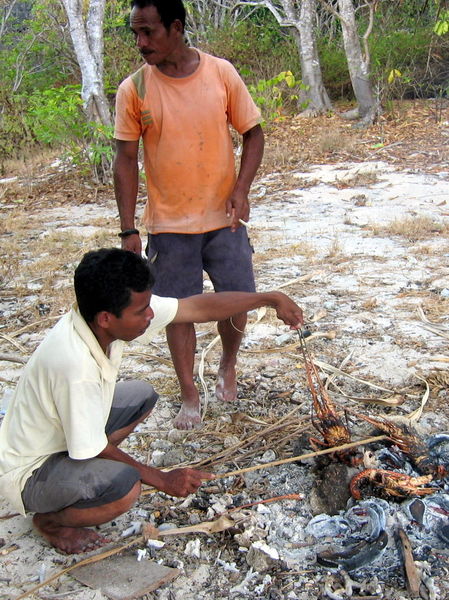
[412,576]
[284,461]
[13,358]
[13,342]
[267,500]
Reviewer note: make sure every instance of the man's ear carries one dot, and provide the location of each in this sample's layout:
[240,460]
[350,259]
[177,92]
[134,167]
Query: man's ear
[103,319]
[177,26]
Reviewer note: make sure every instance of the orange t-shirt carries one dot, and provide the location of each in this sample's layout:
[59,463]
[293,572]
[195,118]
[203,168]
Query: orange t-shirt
[188,154]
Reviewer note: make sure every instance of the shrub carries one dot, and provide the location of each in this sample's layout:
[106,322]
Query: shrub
[56,118]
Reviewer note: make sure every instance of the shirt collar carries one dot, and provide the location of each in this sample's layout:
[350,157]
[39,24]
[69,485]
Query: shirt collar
[109,365]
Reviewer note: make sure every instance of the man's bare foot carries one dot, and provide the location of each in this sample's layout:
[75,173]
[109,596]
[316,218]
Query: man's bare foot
[226,387]
[69,540]
[188,417]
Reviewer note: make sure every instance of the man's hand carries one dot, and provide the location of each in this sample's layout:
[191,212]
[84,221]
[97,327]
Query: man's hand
[288,311]
[132,243]
[237,207]
[182,482]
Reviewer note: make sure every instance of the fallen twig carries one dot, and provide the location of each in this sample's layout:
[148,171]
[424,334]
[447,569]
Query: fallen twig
[412,576]
[13,358]
[303,278]
[267,500]
[164,361]
[284,461]
[31,325]
[8,516]
[229,451]
[9,339]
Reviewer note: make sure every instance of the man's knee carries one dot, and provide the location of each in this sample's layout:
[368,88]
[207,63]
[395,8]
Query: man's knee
[132,402]
[134,392]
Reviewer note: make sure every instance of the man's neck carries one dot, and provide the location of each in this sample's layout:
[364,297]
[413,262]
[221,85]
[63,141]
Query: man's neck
[103,338]
[181,64]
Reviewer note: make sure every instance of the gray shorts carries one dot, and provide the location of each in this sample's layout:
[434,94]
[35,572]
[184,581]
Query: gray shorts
[178,260]
[62,481]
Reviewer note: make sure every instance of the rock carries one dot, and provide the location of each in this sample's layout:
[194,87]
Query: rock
[157,544]
[218,507]
[261,557]
[250,535]
[173,457]
[330,492]
[284,339]
[194,519]
[164,445]
[268,456]
[176,435]
[157,458]
[167,526]
[230,440]
[193,548]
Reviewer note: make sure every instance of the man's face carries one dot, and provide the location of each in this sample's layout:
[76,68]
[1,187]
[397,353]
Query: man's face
[134,319]
[155,43]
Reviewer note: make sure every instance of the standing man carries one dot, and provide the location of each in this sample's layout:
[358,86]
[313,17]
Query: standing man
[181,103]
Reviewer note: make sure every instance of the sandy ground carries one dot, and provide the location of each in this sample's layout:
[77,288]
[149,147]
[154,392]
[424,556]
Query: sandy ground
[362,246]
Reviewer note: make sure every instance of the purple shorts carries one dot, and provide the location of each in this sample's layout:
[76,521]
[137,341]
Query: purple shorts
[179,259]
[62,481]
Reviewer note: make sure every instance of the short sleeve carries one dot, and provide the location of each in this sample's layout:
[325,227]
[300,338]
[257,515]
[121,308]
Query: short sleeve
[243,113]
[127,113]
[165,310]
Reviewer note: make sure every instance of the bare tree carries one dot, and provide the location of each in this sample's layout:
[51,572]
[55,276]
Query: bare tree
[316,93]
[205,14]
[86,32]
[357,56]
[6,9]
[299,17]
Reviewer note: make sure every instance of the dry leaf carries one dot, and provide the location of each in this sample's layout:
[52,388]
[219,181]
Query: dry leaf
[221,524]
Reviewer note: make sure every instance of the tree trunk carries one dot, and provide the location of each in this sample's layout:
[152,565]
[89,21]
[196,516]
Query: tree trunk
[298,15]
[316,94]
[87,39]
[358,65]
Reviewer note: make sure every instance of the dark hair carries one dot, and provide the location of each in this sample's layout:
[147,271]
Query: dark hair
[105,278]
[169,10]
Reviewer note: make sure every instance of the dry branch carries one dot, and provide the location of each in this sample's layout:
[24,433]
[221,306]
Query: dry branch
[13,358]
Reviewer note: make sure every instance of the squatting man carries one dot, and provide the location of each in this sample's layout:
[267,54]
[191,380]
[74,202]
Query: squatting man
[59,454]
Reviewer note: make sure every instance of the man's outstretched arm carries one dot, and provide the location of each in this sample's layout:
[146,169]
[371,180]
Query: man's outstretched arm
[222,305]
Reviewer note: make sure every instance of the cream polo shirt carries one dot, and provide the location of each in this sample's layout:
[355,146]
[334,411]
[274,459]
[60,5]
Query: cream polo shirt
[188,154]
[63,399]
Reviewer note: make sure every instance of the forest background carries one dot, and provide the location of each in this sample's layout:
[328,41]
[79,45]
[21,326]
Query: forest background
[62,61]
